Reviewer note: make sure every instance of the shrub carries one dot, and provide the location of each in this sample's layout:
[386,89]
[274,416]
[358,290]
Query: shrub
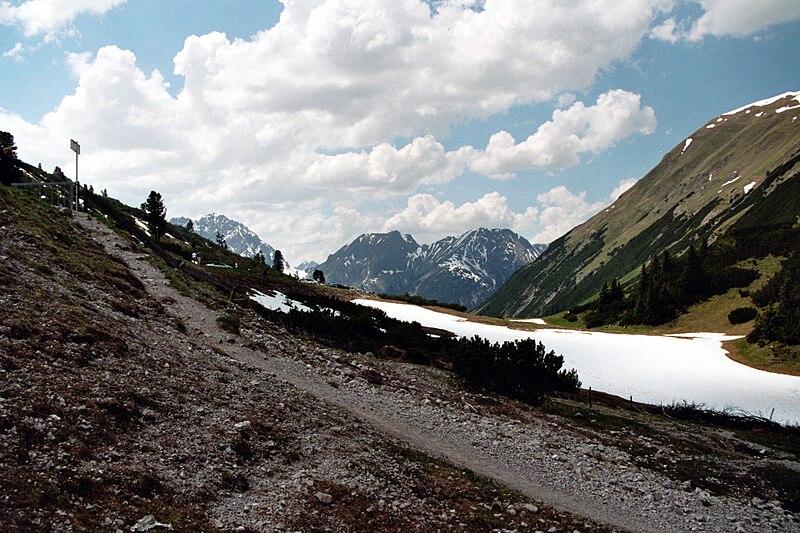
[522,370]
[741,315]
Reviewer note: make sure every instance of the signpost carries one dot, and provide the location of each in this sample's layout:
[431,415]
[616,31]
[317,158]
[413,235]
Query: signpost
[73,144]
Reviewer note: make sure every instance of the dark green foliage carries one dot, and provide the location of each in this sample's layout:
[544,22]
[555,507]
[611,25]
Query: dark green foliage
[9,172]
[278,262]
[419,300]
[318,276]
[740,315]
[780,320]
[609,306]
[522,370]
[190,225]
[155,215]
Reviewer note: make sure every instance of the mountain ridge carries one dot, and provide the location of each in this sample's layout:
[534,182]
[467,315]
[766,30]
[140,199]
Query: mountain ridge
[462,269]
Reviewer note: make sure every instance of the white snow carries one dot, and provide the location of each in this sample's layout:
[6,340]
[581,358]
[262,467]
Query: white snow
[142,225]
[277,302]
[749,187]
[758,115]
[686,145]
[767,101]
[652,369]
[539,321]
[787,108]
[711,126]
[728,183]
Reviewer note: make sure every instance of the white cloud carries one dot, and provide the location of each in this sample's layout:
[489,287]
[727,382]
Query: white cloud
[428,219]
[15,53]
[558,143]
[558,210]
[51,18]
[720,18]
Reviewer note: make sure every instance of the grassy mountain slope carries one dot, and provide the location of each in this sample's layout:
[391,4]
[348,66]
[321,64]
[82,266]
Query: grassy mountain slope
[699,189]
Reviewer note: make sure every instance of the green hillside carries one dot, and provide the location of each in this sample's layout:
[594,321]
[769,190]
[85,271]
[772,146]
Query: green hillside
[736,174]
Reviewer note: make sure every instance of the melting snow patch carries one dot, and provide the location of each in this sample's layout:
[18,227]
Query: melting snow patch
[539,321]
[651,368]
[710,126]
[749,187]
[142,225]
[731,181]
[686,145]
[787,108]
[277,302]
[758,115]
[761,103]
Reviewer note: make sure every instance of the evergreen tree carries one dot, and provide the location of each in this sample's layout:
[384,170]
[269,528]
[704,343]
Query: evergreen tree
[190,225]
[278,262]
[155,215]
[318,276]
[9,173]
[7,144]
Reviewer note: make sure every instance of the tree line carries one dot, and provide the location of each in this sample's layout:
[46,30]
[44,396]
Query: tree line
[665,288]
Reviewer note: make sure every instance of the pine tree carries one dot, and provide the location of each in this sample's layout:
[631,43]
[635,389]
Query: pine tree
[318,276]
[9,173]
[155,215]
[190,225]
[278,262]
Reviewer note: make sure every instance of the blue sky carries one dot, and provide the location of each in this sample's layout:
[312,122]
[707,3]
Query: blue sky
[315,121]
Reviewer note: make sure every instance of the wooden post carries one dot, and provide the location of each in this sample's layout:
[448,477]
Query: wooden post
[590,397]
[631,402]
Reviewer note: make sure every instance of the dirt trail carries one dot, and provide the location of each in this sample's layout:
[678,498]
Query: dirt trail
[558,467]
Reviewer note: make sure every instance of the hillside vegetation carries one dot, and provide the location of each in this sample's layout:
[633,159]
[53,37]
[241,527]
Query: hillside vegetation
[739,166]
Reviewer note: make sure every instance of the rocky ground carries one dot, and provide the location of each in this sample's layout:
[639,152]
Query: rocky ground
[125,404]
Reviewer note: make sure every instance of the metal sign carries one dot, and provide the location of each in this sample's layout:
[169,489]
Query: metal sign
[75,146]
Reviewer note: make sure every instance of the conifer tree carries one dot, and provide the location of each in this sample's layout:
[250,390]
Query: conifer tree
[155,215]
[278,262]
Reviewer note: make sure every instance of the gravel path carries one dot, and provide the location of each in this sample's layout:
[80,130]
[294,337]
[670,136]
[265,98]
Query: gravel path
[558,466]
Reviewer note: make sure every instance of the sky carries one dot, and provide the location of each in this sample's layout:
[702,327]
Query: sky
[314,121]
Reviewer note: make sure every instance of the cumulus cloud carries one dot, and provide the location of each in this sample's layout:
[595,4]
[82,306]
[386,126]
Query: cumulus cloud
[307,114]
[558,211]
[51,18]
[559,142]
[562,210]
[721,18]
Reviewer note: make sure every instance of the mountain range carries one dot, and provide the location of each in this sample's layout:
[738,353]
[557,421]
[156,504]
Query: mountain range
[737,173]
[463,270]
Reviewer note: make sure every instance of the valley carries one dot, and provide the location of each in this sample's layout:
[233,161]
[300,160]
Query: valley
[160,397]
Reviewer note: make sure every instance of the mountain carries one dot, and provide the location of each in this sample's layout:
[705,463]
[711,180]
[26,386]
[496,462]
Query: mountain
[239,238]
[463,270]
[308,266]
[740,166]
